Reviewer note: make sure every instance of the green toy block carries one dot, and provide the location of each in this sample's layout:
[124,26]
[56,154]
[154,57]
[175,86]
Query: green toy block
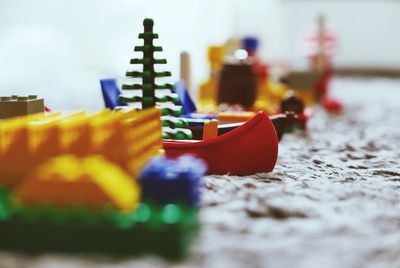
[163,230]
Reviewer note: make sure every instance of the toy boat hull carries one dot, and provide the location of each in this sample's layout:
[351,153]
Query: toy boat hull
[248,149]
[280,122]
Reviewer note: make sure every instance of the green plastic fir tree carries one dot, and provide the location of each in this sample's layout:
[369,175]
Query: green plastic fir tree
[152,93]
[148,75]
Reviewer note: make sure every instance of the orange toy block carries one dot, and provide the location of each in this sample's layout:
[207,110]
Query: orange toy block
[210,129]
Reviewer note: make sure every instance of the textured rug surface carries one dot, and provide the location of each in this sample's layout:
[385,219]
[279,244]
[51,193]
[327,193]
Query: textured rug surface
[333,199]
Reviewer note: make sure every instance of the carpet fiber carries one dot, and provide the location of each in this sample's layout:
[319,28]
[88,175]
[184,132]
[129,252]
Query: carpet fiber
[333,199]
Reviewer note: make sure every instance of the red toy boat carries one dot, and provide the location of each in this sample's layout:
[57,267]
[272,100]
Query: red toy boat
[248,149]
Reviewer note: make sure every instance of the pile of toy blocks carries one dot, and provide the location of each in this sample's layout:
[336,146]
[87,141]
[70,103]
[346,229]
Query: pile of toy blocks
[71,183]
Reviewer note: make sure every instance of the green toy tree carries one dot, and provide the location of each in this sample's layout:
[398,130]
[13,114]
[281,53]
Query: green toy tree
[151,96]
[148,74]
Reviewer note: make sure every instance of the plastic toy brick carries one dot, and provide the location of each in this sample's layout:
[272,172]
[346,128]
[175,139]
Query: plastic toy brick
[189,106]
[208,90]
[237,85]
[164,230]
[111,93]
[292,104]
[11,106]
[177,133]
[210,130]
[174,122]
[331,105]
[305,83]
[91,182]
[215,56]
[250,44]
[248,149]
[128,139]
[173,181]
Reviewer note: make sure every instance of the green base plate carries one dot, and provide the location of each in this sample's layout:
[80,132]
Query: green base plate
[163,230]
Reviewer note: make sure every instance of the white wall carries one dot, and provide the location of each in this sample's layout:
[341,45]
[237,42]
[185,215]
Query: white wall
[368,30]
[66,46]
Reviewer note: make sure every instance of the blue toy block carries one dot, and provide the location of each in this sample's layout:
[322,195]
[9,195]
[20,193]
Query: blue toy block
[250,43]
[167,180]
[111,93]
[187,102]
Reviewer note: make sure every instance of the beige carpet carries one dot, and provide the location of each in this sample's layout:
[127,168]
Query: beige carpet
[332,201]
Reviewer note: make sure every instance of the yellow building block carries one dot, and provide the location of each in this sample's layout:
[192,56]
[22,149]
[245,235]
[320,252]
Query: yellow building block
[208,97]
[208,90]
[128,139]
[69,181]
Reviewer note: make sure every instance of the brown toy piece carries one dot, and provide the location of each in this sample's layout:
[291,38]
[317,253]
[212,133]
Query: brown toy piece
[305,84]
[292,104]
[11,106]
[237,85]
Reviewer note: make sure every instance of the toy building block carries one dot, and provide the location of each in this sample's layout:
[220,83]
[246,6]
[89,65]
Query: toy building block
[69,181]
[210,130]
[128,139]
[111,93]
[305,84]
[173,181]
[232,45]
[163,230]
[295,108]
[250,44]
[188,105]
[292,104]
[11,106]
[237,85]
[208,90]
[149,93]
[177,134]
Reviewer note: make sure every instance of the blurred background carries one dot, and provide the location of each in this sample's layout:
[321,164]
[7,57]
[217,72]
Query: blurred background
[60,49]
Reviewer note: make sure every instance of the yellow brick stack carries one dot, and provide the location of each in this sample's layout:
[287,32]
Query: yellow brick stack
[124,140]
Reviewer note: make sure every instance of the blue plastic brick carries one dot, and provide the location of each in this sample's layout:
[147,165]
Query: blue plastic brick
[166,180]
[250,43]
[187,102]
[111,93]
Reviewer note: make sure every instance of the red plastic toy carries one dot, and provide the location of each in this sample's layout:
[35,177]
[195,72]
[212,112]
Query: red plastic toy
[248,149]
